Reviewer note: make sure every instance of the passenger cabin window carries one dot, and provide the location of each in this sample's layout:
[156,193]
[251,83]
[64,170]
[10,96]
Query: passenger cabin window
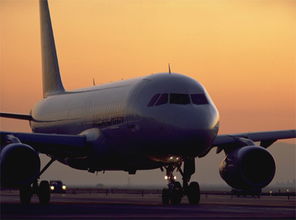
[153,100]
[181,99]
[163,99]
[199,99]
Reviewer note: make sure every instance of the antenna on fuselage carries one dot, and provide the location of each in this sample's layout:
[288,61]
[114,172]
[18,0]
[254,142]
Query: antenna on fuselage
[169,68]
[94,82]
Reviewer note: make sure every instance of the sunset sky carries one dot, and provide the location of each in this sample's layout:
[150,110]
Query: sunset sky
[243,52]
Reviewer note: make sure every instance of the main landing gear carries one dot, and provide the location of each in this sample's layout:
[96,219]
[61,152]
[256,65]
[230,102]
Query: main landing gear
[42,190]
[175,191]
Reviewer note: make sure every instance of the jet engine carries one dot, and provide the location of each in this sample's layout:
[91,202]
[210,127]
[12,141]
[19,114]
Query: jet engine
[249,167]
[19,165]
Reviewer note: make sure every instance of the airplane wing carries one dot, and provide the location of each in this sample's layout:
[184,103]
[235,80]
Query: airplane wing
[266,138]
[51,144]
[16,116]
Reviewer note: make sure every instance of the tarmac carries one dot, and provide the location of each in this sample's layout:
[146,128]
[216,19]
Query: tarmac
[94,205]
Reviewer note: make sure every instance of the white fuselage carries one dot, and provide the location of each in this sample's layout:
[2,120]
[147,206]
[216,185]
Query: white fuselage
[138,129]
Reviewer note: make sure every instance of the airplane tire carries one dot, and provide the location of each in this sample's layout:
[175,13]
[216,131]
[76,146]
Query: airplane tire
[176,198]
[165,196]
[177,194]
[26,194]
[193,193]
[44,192]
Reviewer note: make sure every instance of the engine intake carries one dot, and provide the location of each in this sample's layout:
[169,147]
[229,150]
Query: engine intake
[19,164]
[249,167]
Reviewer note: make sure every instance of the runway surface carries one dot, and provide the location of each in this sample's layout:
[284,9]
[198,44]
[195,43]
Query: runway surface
[146,206]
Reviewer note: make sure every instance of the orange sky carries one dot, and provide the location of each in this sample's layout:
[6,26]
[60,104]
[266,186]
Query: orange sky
[244,52]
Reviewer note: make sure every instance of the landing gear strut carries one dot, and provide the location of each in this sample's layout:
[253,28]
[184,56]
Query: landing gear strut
[175,191]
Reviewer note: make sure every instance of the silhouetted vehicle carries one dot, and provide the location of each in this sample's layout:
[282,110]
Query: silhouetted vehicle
[57,186]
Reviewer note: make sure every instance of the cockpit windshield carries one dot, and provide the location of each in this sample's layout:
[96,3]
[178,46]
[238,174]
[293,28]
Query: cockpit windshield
[178,99]
[199,99]
[181,99]
[153,99]
[163,99]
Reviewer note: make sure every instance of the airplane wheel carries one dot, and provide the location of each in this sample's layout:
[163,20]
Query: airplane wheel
[44,192]
[193,193]
[177,194]
[26,194]
[165,196]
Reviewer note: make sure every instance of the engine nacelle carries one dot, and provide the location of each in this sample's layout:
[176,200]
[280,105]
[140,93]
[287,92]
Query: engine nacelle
[19,164]
[249,167]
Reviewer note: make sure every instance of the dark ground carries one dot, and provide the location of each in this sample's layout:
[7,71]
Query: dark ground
[94,205]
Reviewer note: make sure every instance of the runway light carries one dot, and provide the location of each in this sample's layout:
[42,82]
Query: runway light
[165,177]
[171,158]
[52,187]
[64,187]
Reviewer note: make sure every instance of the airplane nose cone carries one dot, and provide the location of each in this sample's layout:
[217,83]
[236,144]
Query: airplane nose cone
[182,130]
[193,118]
[191,130]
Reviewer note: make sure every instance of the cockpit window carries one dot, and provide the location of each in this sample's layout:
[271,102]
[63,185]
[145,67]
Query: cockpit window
[178,98]
[153,100]
[199,99]
[163,99]
[181,99]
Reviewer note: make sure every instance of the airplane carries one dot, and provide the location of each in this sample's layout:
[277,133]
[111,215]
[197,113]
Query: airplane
[161,121]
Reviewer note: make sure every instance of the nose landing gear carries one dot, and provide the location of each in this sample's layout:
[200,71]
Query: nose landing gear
[174,193]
